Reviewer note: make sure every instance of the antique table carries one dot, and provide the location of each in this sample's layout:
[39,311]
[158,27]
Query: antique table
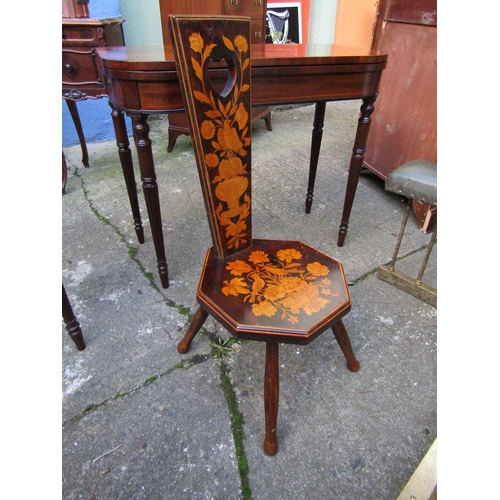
[143,80]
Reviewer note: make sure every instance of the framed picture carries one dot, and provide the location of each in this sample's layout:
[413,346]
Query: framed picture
[284,22]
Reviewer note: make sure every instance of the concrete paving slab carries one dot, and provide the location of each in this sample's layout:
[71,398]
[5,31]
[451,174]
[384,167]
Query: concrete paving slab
[147,445]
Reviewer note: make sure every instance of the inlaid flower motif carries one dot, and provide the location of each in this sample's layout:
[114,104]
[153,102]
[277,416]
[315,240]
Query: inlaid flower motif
[211,159]
[196,42]
[234,287]
[287,286]
[239,267]
[274,292]
[230,168]
[229,140]
[207,129]
[317,269]
[289,255]
[307,298]
[226,126]
[241,42]
[241,116]
[292,283]
[264,308]
[258,257]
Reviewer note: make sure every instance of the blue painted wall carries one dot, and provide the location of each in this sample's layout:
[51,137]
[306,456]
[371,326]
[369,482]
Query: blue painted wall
[95,114]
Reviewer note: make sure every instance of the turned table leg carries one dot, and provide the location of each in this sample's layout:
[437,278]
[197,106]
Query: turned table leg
[64,174]
[73,110]
[72,324]
[317,135]
[150,188]
[125,155]
[358,154]
[271,397]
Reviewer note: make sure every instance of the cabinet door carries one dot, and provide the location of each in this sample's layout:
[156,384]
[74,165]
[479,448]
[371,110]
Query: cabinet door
[255,10]
[186,7]
[249,8]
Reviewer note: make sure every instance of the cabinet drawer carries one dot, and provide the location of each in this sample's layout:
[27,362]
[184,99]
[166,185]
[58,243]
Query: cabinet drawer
[249,8]
[80,67]
[79,36]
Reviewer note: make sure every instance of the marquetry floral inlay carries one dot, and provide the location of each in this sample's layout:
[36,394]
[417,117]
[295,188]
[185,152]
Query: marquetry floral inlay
[286,286]
[227,129]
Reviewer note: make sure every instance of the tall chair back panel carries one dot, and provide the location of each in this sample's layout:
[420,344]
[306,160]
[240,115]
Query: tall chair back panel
[267,290]
[216,55]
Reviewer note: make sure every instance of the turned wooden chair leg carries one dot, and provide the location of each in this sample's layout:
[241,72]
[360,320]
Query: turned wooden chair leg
[72,324]
[345,344]
[271,397]
[197,322]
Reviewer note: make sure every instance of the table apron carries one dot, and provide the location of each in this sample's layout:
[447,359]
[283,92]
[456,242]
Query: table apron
[159,91]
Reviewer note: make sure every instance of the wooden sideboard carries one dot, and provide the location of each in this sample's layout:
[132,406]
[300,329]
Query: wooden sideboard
[81,72]
[254,9]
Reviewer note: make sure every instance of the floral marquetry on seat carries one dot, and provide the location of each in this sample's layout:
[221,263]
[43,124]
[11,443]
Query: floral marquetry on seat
[268,290]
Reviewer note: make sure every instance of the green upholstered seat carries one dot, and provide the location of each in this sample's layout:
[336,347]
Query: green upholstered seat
[416,179]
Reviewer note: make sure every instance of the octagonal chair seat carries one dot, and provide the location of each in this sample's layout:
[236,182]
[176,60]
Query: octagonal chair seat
[284,291]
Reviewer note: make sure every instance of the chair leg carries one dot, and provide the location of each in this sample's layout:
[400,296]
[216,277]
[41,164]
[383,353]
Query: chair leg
[271,397]
[345,344]
[72,324]
[430,246]
[401,234]
[199,318]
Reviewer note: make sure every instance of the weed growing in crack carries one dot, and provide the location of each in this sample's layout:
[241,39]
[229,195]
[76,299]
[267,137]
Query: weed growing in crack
[222,349]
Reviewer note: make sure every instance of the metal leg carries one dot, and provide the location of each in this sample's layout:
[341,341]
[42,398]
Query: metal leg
[401,280]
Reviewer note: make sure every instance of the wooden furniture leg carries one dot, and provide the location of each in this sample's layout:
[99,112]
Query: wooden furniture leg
[271,397]
[150,187]
[64,174]
[125,155]
[199,318]
[345,344]
[177,125]
[317,135]
[268,122]
[358,153]
[72,324]
[79,130]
